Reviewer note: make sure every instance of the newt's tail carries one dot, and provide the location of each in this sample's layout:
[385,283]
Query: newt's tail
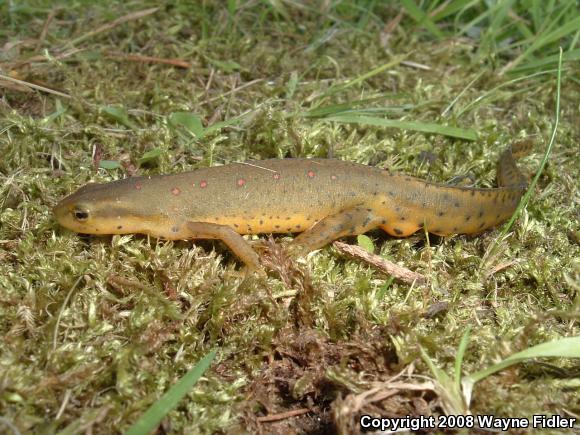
[508,173]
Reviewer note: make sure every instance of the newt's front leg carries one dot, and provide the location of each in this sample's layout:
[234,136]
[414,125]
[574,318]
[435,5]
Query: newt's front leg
[348,222]
[206,230]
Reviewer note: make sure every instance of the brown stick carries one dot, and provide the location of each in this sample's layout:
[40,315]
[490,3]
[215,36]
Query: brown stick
[380,263]
[283,415]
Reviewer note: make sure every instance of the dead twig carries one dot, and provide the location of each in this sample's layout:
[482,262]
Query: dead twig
[284,415]
[381,264]
[32,86]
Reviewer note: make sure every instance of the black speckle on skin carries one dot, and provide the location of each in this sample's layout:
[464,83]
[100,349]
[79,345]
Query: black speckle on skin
[481,225]
[277,226]
[467,218]
[369,209]
[398,231]
[261,222]
[456,204]
[175,229]
[480,213]
[391,193]
[119,227]
[454,229]
[298,227]
[397,209]
[440,214]
[384,221]
[236,226]
[403,218]
[473,193]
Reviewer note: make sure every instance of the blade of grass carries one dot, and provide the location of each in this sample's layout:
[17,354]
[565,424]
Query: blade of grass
[542,40]
[421,17]
[157,411]
[459,357]
[462,133]
[568,347]
[342,86]
[450,105]
[452,7]
[569,56]
[526,197]
[493,90]
[451,398]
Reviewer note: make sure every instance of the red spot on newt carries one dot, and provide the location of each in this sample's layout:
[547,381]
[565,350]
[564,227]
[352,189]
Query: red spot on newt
[333,177]
[203,184]
[311,174]
[241,182]
[276,176]
[138,186]
[175,191]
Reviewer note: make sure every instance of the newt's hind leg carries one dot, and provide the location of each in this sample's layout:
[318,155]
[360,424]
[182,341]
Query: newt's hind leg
[348,222]
[206,230]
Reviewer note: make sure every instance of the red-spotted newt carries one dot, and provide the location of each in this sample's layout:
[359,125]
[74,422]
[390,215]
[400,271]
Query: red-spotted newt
[323,199]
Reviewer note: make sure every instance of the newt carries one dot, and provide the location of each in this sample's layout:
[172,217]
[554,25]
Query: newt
[323,199]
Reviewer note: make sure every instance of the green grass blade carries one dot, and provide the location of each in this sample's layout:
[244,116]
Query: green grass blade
[540,41]
[526,197]
[157,411]
[459,357]
[421,17]
[453,7]
[568,347]
[342,86]
[493,90]
[424,127]
[549,61]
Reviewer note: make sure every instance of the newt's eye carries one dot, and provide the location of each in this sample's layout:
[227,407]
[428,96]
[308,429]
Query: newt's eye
[80,214]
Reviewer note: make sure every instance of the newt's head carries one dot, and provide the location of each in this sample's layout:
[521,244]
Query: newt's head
[100,209]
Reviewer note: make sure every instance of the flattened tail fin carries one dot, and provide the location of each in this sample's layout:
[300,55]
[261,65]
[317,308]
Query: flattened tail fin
[508,173]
